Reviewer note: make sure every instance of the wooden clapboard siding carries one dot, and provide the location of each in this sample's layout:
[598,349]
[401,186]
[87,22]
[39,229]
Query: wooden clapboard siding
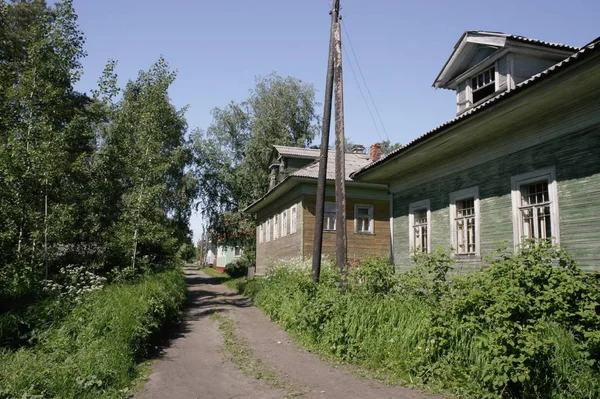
[577,166]
[282,248]
[359,246]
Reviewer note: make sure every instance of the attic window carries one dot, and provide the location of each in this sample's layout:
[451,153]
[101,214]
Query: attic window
[483,84]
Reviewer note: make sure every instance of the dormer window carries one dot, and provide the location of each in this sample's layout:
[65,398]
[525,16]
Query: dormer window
[483,84]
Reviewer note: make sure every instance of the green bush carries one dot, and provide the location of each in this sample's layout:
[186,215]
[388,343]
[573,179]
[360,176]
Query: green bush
[92,352]
[526,327]
[503,315]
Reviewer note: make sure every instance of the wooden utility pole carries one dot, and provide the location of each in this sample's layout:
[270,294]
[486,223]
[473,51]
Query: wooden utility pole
[322,178]
[340,156]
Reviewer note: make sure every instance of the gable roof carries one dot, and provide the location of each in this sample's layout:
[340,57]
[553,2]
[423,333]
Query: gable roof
[590,49]
[471,41]
[352,164]
[310,173]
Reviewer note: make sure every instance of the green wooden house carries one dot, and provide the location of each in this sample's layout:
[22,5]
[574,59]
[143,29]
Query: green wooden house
[521,160]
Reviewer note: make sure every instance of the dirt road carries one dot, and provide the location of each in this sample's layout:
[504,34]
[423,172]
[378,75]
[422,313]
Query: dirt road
[227,348]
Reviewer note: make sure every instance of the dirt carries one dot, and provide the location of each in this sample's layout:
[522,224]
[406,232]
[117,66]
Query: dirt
[227,348]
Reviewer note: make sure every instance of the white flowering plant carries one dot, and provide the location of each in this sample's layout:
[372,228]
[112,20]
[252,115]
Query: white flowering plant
[73,282]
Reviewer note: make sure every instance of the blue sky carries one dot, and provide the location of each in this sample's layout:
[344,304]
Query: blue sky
[219,47]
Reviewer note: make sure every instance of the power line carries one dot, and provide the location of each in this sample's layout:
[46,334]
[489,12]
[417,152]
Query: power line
[362,94]
[365,81]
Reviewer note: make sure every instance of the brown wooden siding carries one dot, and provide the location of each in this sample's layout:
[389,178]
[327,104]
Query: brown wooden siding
[360,246]
[287,247]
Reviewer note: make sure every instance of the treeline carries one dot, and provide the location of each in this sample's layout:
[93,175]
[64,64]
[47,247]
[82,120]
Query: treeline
[99,180]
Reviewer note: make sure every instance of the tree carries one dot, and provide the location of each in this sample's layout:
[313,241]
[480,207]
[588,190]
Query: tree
[145,158]
[232,155]
[387,147]
[46,142]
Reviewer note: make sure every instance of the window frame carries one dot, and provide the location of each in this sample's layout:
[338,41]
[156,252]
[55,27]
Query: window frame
[294,219]
[416,206]
[548,174]
[371,217]
[276,226]
[284,223]
[493,82]
[237,252]
[261,231]
[471,192]
[268,230]
[330,205]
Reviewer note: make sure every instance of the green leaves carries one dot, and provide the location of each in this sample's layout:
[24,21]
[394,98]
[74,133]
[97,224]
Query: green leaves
[232,155]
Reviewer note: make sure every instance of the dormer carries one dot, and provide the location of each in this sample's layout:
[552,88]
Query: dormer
[485,64]
[286,160]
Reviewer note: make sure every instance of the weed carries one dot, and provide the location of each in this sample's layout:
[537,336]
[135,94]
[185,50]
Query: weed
[93,351]
[240,354]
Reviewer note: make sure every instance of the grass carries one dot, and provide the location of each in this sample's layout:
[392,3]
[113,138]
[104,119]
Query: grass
[396,330]
[95,351]
[241,355]
[223,278]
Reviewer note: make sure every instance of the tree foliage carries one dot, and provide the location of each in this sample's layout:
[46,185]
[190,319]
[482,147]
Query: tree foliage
[233,154]
[84,179]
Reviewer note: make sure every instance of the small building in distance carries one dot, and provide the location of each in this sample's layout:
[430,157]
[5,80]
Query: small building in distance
[285,216]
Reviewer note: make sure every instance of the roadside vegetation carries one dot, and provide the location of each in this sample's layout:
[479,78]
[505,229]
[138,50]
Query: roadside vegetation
[92,350]
[96,192]
[526,327]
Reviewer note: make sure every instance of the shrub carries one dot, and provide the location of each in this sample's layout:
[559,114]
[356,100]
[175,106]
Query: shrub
[93,351]
[492,327]
[526,327]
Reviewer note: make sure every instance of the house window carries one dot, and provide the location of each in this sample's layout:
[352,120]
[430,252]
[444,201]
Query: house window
[237,252]
[483,84]
[419,219]
[363,219]
[329,216]
[276,226]
[535,206]
[268,228]
[294,219]
[464,219]
[261,232]
[284,223]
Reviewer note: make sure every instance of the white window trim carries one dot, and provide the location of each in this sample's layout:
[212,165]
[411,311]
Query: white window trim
[294,219]
[457,196]
[334,220]
[548,174]
[261,230]
[239,254]
[276,226]
[411,220]
[284,223]
[268,230]
[371,219]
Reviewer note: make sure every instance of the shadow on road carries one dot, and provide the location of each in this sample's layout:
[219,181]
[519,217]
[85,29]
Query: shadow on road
[204,299]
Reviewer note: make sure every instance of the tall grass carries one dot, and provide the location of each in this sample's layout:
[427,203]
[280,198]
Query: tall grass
[524,329]
[93,352]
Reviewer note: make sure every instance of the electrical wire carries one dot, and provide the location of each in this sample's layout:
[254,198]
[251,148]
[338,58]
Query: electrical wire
[365,82]
[362,93]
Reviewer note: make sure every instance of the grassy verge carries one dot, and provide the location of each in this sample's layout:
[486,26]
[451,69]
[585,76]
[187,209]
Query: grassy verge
[527,327]
[94,351]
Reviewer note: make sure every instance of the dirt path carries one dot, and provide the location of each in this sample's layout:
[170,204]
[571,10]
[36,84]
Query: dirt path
[227,348]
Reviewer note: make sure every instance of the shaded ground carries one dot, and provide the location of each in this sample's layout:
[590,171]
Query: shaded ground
[227,348]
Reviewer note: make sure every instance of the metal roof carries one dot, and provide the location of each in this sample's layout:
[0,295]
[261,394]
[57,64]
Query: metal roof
[573,59]
[297,151]
[353,163]
[540,42]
